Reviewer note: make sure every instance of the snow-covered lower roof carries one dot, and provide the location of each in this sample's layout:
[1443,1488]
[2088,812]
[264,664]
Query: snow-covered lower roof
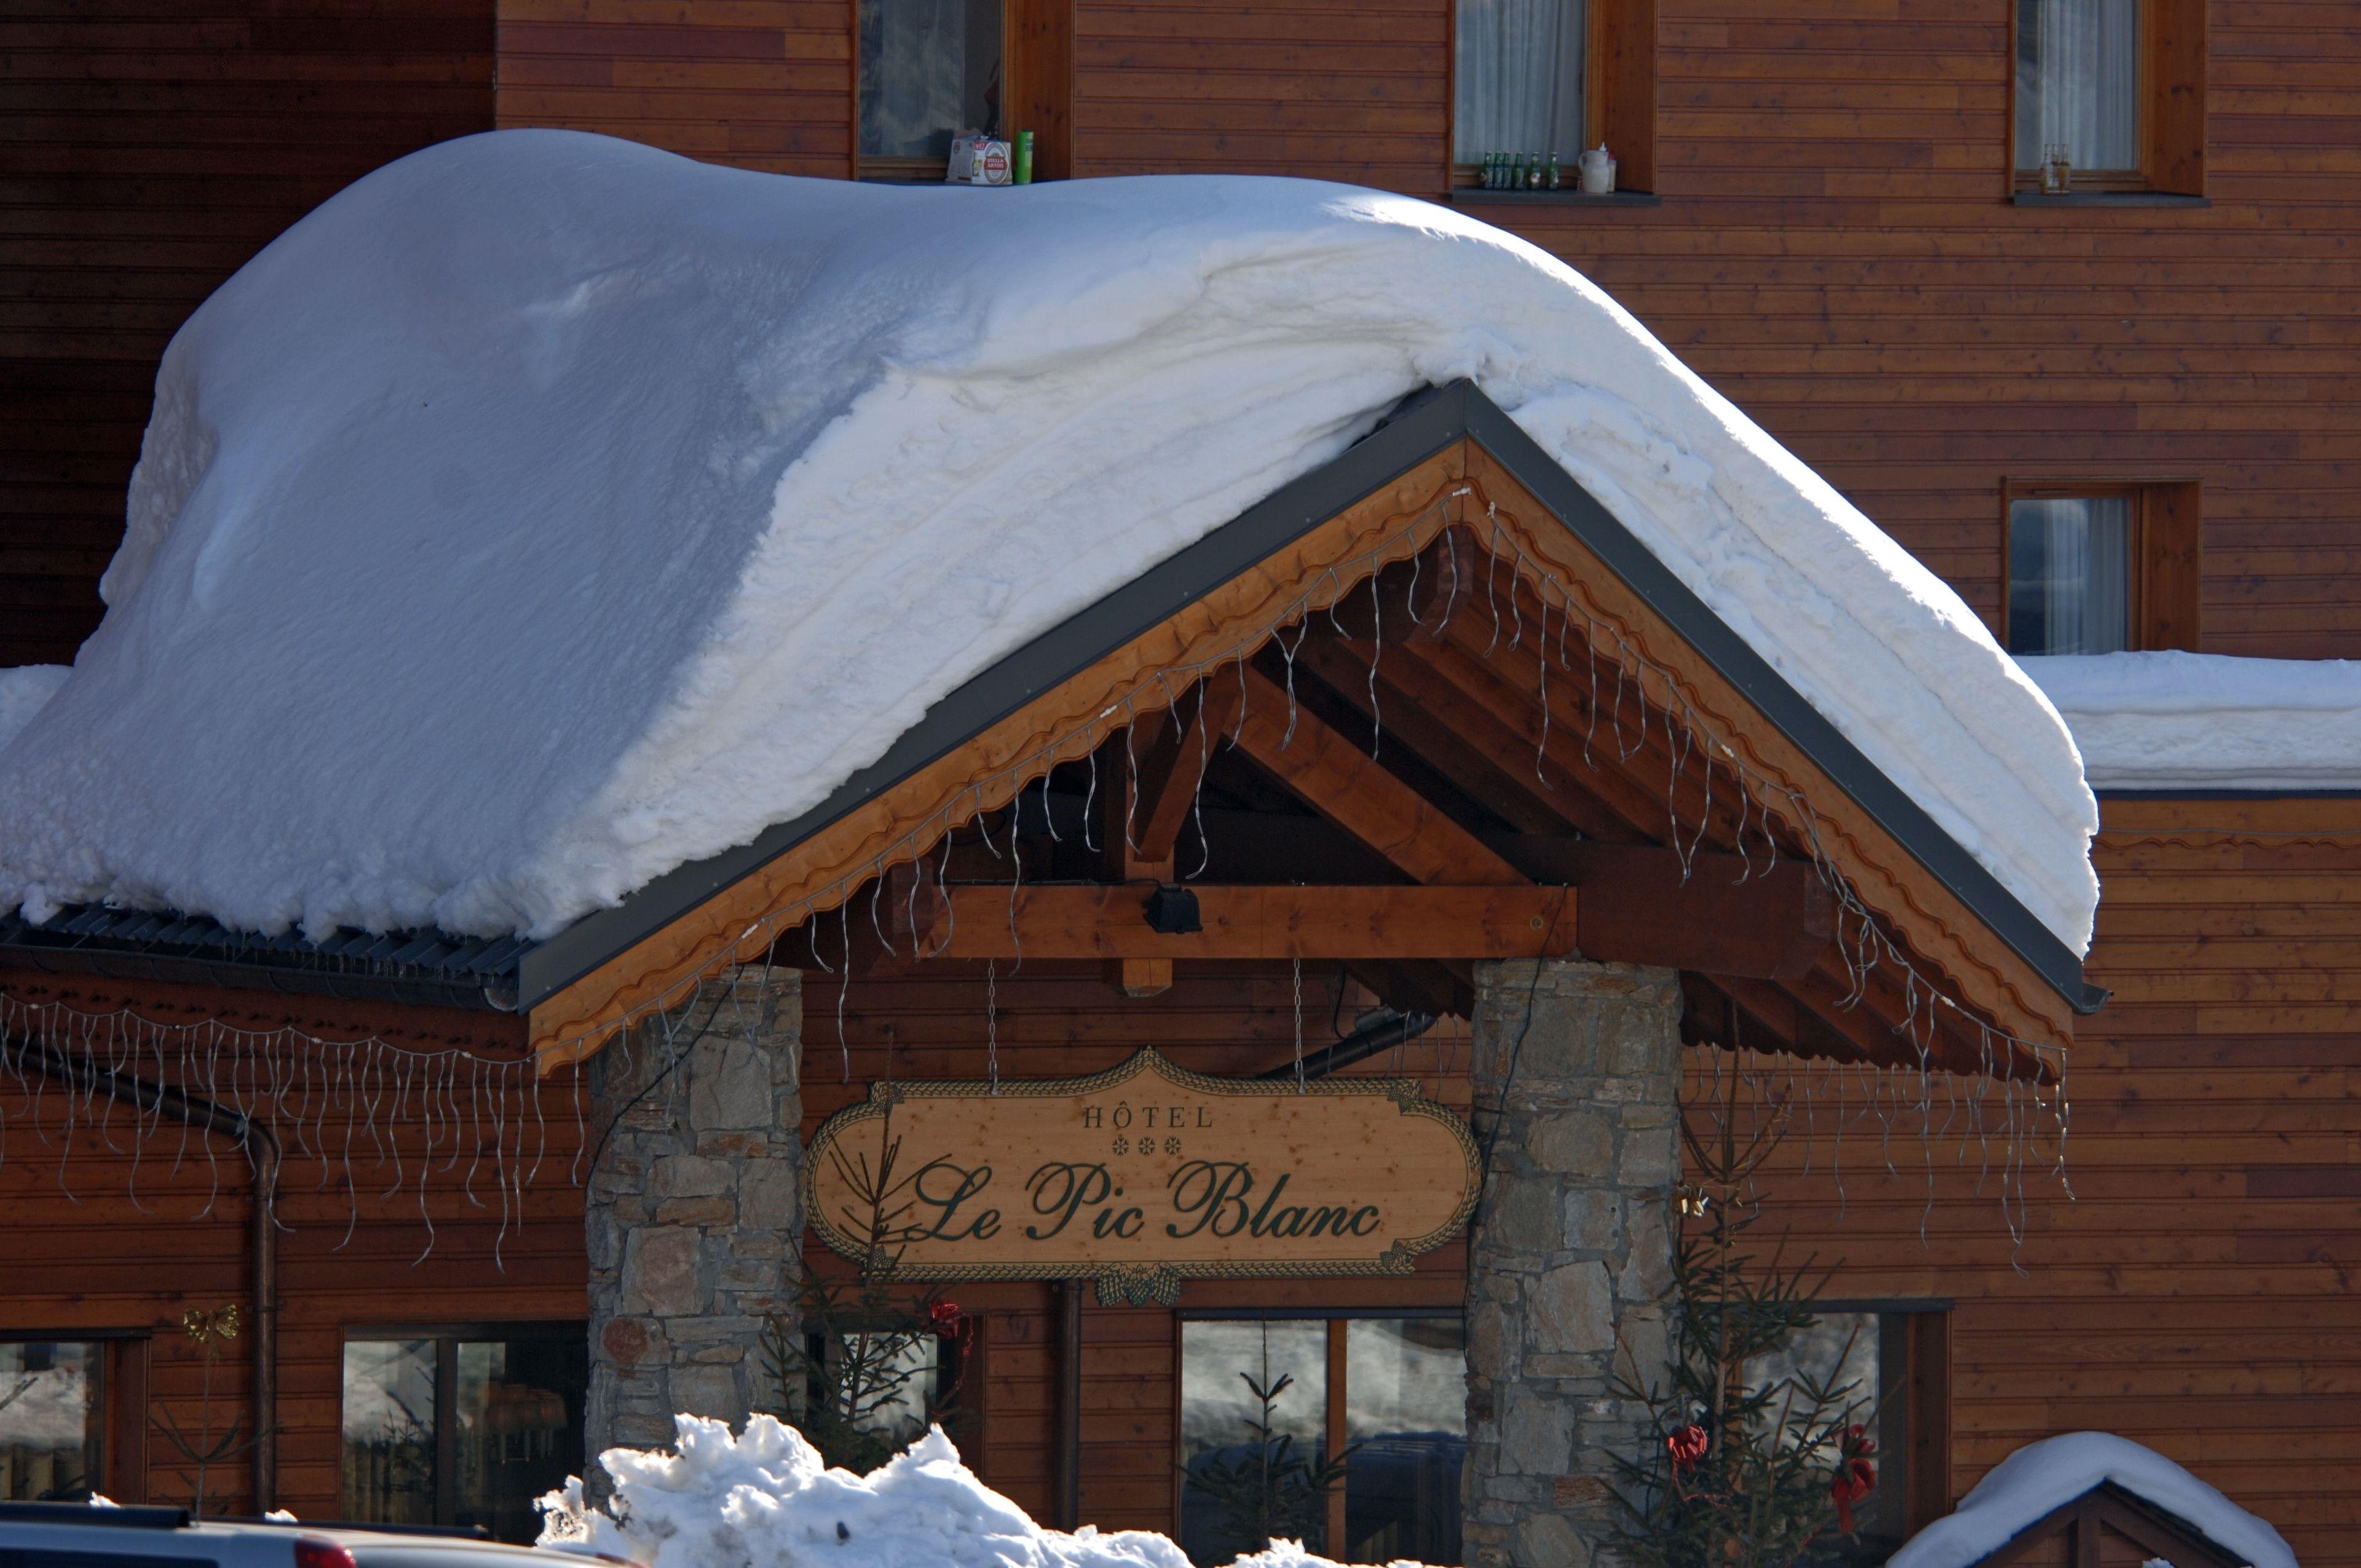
[545,512]
[2205,721]
[2042,1476]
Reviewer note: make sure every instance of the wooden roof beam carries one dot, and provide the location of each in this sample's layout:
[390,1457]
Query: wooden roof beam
[1338,778]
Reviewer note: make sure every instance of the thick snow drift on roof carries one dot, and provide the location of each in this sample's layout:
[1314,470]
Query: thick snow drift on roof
[23,692]
[2040,1476]
[765,1500]
[545,511]
[2207,722]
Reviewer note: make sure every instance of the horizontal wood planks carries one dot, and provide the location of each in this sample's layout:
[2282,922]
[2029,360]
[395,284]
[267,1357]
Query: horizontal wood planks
[115,1234]
[2194,1292]
[1835,249]
[148,147]
[758,83]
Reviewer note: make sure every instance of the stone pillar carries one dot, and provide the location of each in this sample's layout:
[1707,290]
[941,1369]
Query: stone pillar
[694,1214]
[1569,1259]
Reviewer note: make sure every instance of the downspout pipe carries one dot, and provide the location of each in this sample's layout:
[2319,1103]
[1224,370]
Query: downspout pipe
[1382,1034]
[262,1148]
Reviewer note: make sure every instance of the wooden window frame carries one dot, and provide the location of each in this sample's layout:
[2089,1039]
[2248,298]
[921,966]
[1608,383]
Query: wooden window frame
[1925,1382]
[1037,92]
[1619,93]
[2167,551]
[2172,107]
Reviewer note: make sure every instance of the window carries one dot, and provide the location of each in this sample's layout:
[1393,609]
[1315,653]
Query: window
[2112,93]
[1388,1393]
[929,70]
[1521,78]
[1898,1359]
[52,1420]
[2099,568]
[1553,77]
[462,1426]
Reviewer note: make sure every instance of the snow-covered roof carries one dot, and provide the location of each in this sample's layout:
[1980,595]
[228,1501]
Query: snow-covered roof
[544,513]
[2042,1476]
[2205,721]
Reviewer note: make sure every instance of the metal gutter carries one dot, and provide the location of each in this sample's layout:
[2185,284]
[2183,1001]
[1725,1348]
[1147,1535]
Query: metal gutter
[1422,425]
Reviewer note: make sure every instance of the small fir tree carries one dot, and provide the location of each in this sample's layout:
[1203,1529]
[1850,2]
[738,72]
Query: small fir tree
[846,1362]
[1273,1492]
[1740,1474]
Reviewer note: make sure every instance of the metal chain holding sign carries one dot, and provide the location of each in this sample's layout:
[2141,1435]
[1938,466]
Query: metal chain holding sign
[1298,1025]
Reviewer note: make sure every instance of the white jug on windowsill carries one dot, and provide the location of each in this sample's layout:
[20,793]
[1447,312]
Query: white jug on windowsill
[1598,171]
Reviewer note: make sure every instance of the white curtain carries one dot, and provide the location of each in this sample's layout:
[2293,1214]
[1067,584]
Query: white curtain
[2070,574]
[2077,82]
[1520,86]
[927,67]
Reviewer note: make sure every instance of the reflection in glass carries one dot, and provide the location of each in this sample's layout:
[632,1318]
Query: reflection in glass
[50,1420]
[1867,1352]
[2070,574]
[505,1415]
[390,1431]
[1216,1408]
[519,1412]
[1406,1409]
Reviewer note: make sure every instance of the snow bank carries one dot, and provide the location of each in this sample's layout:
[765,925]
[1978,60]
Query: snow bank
[545,511]
[2206,721]
[2043,1475]
[765,1500]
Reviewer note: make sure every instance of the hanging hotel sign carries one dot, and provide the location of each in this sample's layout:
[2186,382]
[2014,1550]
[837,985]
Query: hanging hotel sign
[1142,1177]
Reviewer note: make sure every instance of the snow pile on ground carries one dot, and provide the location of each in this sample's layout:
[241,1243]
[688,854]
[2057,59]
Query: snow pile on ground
[2207,722]
[765,1500]
[546,512]
[2041,1476]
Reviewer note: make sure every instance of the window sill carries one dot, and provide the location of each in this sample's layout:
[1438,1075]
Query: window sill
[2107,199]
[1473,195]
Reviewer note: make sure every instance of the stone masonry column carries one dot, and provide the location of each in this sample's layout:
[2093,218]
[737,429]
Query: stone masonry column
[1569,1258]
[694,1215]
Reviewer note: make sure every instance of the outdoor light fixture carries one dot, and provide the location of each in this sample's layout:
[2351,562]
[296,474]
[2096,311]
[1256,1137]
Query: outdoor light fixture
[1172,911]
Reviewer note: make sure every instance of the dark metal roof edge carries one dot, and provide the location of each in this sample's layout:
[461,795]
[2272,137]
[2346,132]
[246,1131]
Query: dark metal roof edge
[2239,794]
[1422,426]
[296,979]
[1887,804]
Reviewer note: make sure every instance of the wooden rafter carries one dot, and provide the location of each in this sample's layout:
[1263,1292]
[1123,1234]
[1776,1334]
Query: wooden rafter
[1339,780]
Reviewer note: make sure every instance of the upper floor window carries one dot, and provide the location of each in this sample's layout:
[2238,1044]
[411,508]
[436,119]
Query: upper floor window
[2099,568]
[1521,78]
[2110,96]
[929,70]
[1537,78]
[462,1426]
[52,1420]
[1896,1358]
[2078,87]
[2070,574]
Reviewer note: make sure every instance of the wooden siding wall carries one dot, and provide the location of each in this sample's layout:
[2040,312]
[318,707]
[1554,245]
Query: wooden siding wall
[758,83]
[2196,1294]
[1059,1020]
[1834,249]
[82,1256]
[148,147]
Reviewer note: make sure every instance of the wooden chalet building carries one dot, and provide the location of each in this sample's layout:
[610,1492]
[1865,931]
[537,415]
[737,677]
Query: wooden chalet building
[472,1199]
